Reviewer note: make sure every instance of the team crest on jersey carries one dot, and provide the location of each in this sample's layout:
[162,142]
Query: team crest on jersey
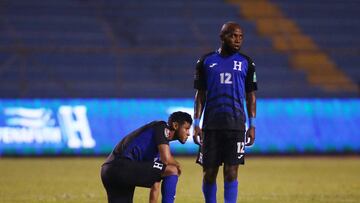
[166,132]
[237,65]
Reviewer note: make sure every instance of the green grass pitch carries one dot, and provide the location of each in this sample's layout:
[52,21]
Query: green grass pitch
[262,179]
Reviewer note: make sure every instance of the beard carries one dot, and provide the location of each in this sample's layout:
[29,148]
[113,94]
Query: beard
[231,49]
[176,136]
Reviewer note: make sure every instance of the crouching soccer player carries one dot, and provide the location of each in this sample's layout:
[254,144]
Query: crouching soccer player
[133,162]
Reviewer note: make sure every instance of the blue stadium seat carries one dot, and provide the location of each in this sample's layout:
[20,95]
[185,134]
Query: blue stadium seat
[333,25]
[141,48]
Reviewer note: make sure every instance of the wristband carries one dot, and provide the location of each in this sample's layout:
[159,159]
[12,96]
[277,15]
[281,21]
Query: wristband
[252,122]
[196,122]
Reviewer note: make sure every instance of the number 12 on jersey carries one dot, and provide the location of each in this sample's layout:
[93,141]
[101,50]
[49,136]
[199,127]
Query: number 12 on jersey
[225,78]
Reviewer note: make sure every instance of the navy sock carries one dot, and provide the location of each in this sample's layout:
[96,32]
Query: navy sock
[168,188]
[209,191]
[230,191]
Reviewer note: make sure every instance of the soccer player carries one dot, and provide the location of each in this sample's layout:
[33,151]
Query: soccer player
[134,160]
[224,80]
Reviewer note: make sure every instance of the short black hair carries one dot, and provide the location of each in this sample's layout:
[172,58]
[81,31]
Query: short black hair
[180,117]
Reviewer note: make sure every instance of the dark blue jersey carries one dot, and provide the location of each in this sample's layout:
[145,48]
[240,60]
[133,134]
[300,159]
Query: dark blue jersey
[141,144]
[226,81]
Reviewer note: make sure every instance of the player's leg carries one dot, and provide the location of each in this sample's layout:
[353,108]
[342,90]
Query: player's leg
[233,156]
[230,172]
[125,174]
[168,186]
[154,193]
[209,186]
[145,174]
[230,183]
[121,194]
[117,192]
[212,154]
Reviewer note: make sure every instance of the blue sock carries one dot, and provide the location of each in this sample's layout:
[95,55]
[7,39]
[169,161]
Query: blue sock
[209,191]
[230,191]
[168,188]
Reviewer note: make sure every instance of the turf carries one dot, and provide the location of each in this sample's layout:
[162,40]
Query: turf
[262,179]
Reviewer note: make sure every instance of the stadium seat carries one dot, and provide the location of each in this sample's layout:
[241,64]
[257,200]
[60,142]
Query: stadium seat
[149,48]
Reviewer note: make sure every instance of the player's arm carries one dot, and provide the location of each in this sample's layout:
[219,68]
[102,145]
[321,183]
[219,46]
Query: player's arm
[163,145]
[251,109]
[250,88]
[200,97]
[199,103]
[166,156]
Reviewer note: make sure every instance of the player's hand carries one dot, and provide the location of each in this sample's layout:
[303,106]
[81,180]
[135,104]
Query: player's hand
[179,169]
[177,164]
[197,136]
[250,136]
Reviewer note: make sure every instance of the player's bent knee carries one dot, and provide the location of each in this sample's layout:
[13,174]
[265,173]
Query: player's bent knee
[171,170]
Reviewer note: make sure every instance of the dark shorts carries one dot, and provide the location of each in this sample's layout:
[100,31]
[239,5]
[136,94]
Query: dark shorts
[222,146]
[120,177]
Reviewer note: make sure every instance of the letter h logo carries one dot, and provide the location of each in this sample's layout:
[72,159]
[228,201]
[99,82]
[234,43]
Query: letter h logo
[158,165]
[237,65]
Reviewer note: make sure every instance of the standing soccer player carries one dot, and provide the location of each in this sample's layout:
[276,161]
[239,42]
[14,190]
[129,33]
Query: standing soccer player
[134,160]
[224,79]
